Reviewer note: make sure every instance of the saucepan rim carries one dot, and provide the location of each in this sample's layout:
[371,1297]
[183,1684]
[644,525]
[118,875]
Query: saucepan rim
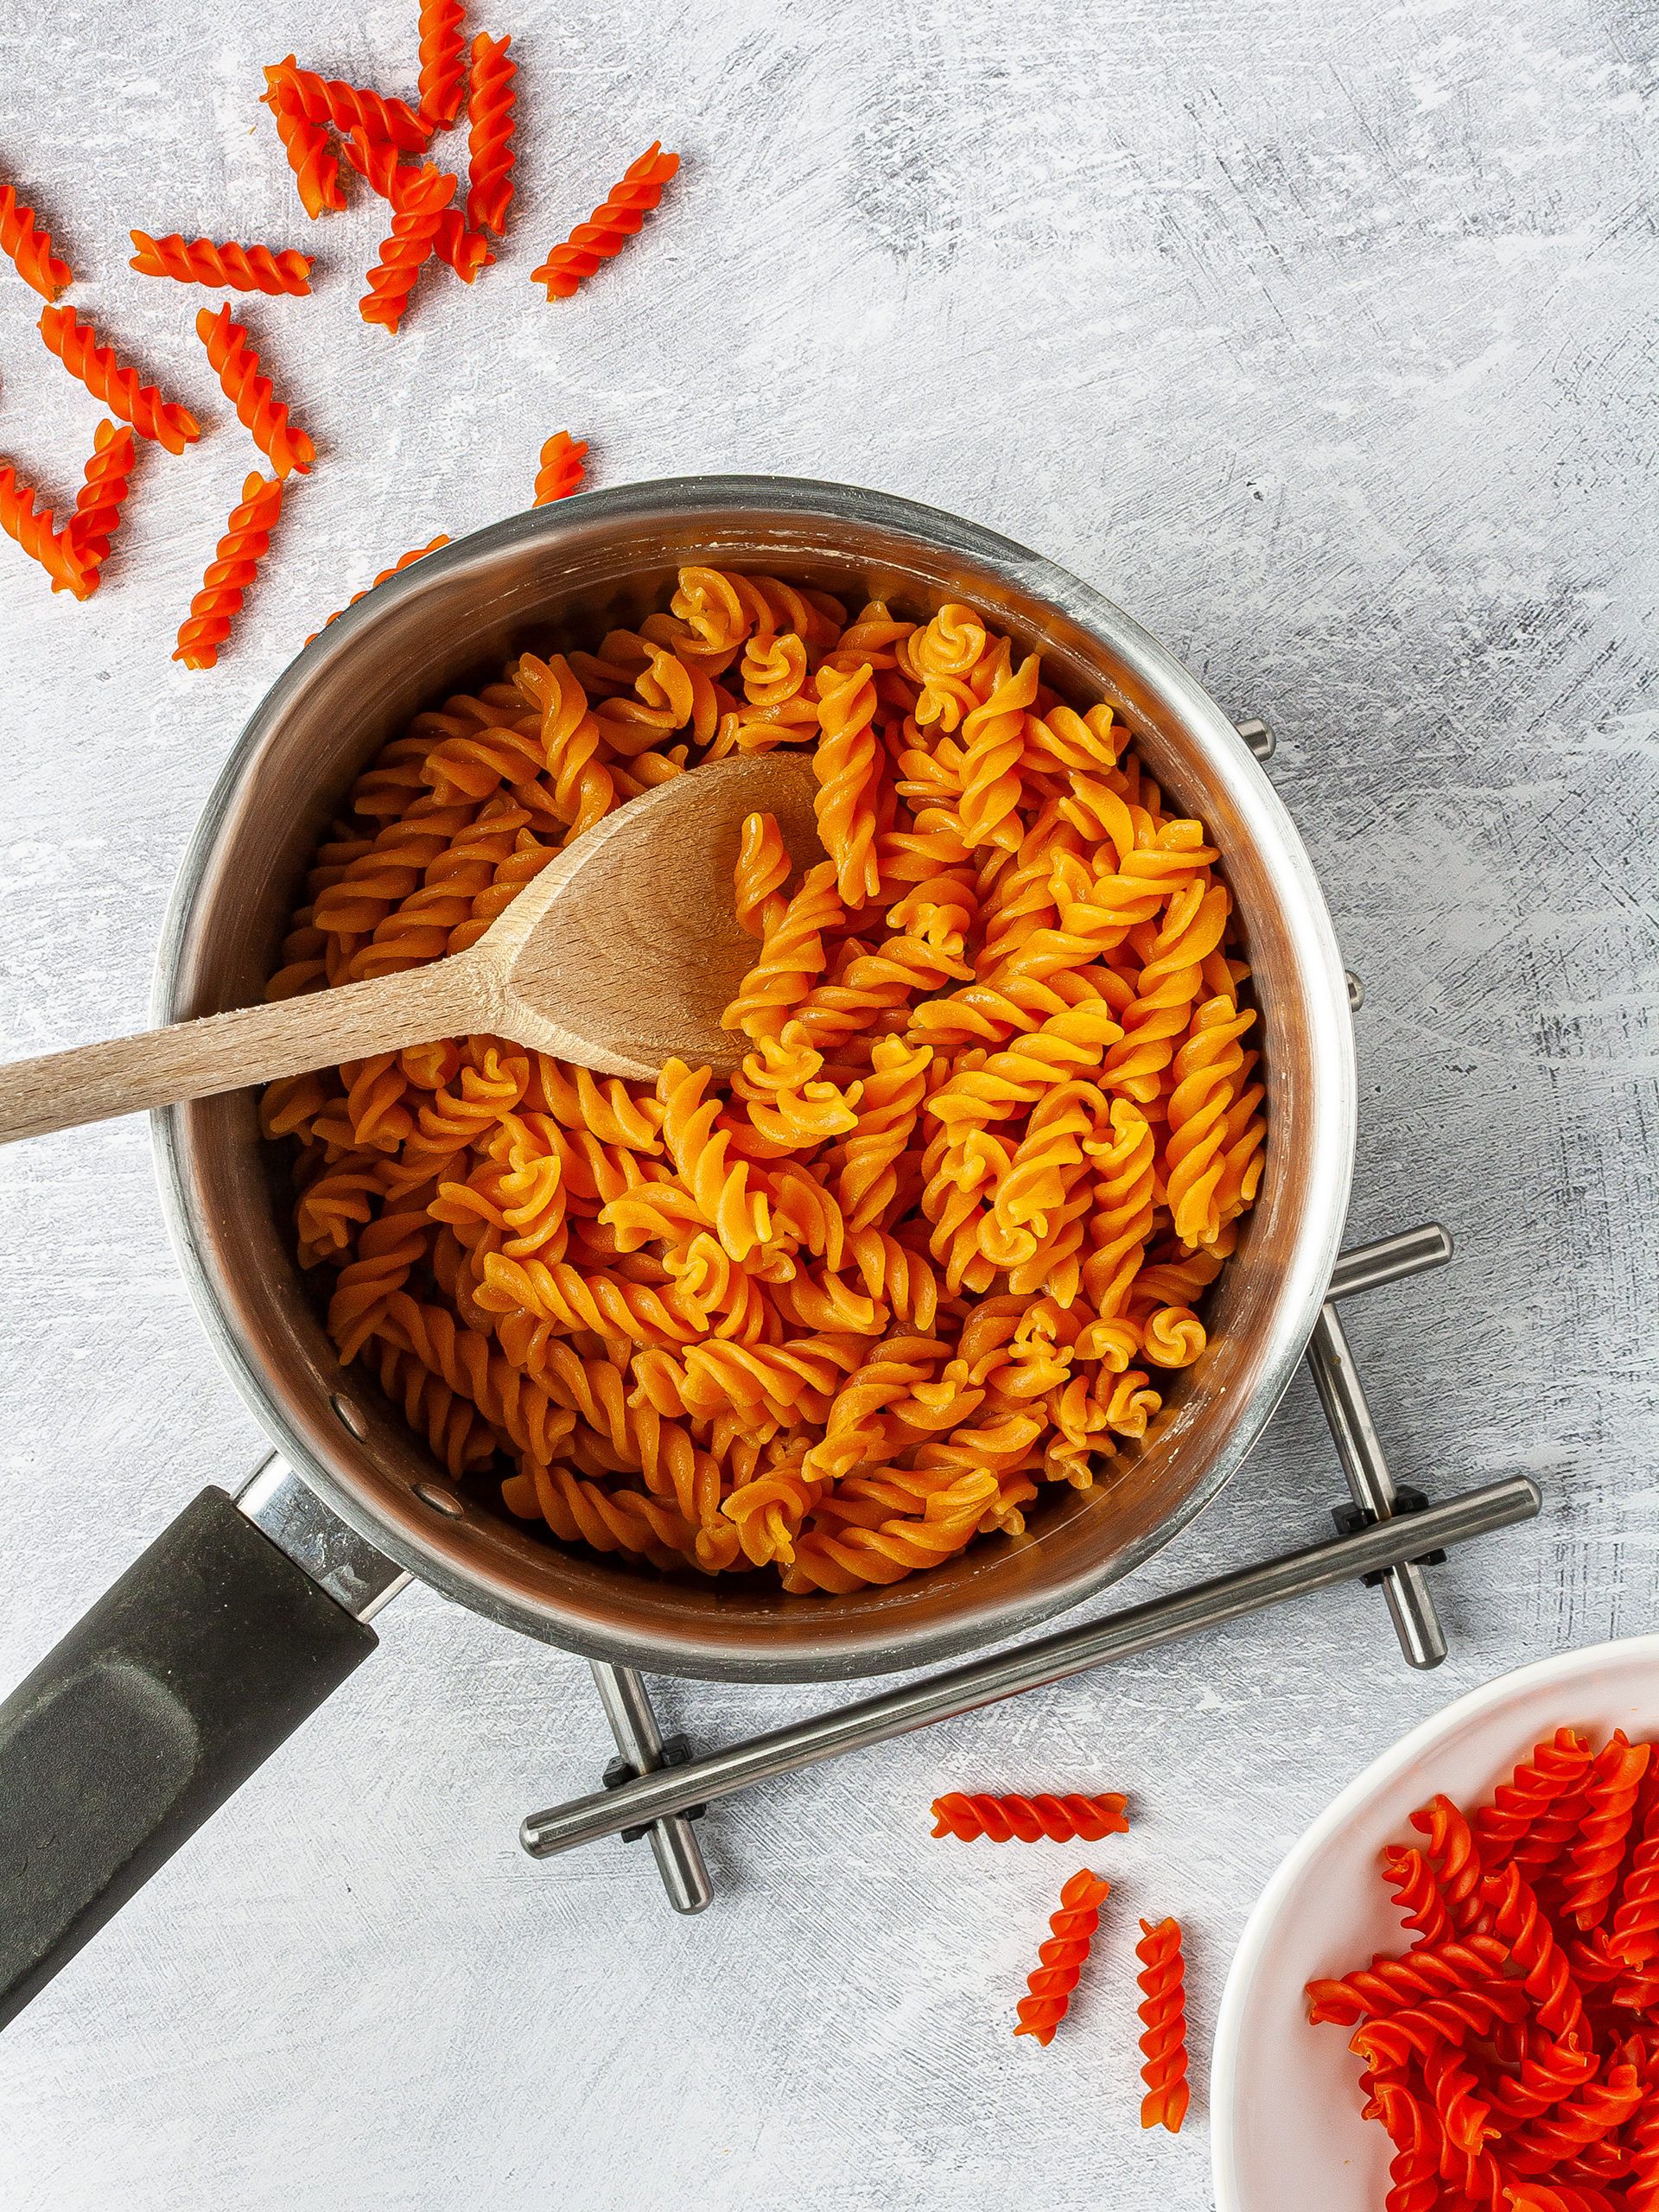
[879,1645]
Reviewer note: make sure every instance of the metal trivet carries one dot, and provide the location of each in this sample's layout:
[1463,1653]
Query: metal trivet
[656,1789]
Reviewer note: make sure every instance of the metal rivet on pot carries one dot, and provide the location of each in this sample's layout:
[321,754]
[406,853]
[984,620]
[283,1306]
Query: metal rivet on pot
[1356,992]
[348,1415]
[439,1500]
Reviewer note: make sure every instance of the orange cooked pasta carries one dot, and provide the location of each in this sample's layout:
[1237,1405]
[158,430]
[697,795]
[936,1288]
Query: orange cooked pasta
[489,112]
[75,344]
[288,450]
[205,629]
[561,469]
[837,1320]
[240,268]
[420,199]
[619,218]
[29,248]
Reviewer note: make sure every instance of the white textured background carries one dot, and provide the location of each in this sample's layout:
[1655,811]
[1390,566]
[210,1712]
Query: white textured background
[1321,337]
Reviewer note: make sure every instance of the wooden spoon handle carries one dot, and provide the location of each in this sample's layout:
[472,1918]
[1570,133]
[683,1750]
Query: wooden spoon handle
[222,1051]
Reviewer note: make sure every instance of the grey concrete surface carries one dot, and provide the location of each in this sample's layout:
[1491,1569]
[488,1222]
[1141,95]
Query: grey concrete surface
[1321,337]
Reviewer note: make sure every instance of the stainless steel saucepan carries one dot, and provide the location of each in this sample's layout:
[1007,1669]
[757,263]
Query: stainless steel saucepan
[242,1617]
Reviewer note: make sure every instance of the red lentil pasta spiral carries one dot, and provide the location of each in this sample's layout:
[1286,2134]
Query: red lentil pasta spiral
[838,1319]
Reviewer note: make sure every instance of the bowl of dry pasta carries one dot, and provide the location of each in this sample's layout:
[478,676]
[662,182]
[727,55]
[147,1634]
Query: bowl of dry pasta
[983,1272]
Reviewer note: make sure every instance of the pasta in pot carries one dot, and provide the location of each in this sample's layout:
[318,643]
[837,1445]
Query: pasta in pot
[930,1248]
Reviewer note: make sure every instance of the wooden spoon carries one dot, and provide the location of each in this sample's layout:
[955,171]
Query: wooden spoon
[621,954]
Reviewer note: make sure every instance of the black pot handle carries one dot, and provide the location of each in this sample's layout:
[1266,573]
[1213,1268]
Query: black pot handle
[209,1651]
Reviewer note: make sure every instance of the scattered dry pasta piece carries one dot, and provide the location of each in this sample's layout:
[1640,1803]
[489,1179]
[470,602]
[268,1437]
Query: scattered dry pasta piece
[1163,2015]
[464,251]
[402,562]
[489,112]
[560,470]
[316,172]
[443,61]
[326,101]
[29,248]
[75,344]
[601,236]
[1062,1819]
[230,572]
[89,531]
[31,525]
[420,203]
[240,268]
[287,450]
[1072,1930]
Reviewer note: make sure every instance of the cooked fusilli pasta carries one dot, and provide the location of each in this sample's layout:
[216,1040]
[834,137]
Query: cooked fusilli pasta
[841,1317]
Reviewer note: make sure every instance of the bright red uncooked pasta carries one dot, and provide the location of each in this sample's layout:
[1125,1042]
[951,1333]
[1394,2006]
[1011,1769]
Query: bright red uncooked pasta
[560,470]
[376,160]
[1072,1928]
[287,450]
[229,574]
[240,268]
[602,236]
[1062,1819]
[385,576]
[464,251]
[31,525]
[89,531]
[420,202]
[76,345]
[443,61]
[29,248]
[1518,2061]
[327,100]
[489,112]
[1163,2015]
[316,172]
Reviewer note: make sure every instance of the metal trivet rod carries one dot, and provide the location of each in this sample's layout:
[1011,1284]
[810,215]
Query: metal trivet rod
[1410,1602]
[1029,1665]
[641,1750]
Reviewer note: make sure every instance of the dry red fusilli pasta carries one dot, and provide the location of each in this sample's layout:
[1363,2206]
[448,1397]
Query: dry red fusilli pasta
[1163,2017]
[561,469]
[1062,1819]
[1071,1931]
[228,576]
[618,218]
[289,450]
[489,112]
[29,248]
[420,200]
[75,344]
[241,268]
[444,66]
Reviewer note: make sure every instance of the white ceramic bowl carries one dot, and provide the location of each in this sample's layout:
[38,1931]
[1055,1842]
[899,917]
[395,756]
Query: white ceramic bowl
[1285,2121]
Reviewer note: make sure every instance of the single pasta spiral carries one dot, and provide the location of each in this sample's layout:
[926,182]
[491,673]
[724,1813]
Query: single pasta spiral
[1556,1770]
[489,113]
[76,345]
[237,364]
[619,216]
[420,201]
[31,526]
[443,61]
[326,101]
[29,248]
[240,268]
[1062,1819]
[1072,1930]
[1612,1788]
[385,576]
[1163,2017]
[316,172]
[89,531]
[228,576]
[561,469]
[1516,1918]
